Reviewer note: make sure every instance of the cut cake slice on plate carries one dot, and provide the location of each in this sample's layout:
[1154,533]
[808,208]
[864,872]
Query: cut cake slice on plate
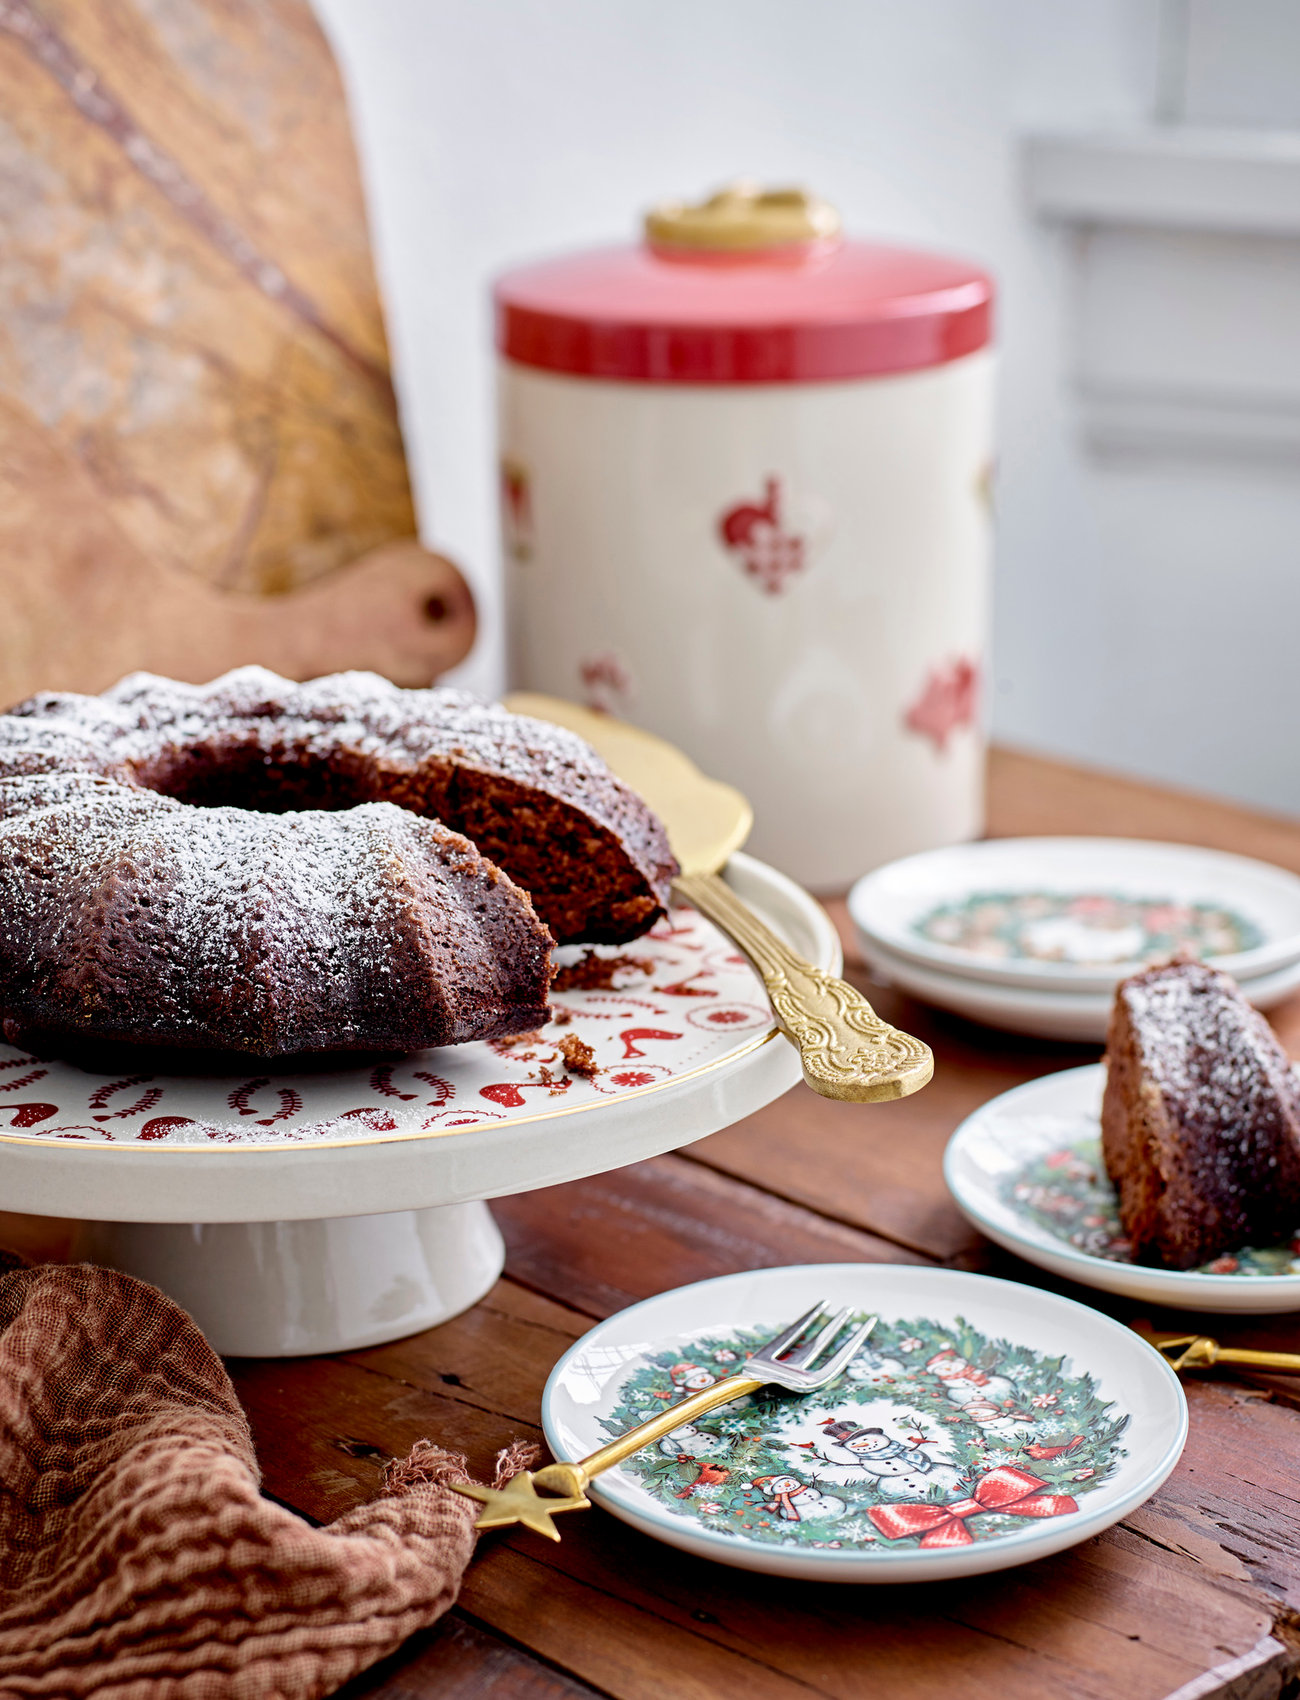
[1200,1119]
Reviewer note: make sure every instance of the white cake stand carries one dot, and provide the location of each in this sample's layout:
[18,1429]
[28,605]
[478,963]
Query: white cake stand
[284,1236]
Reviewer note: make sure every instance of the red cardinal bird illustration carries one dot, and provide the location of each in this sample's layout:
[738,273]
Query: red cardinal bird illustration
[711,1475]
[1040,1452]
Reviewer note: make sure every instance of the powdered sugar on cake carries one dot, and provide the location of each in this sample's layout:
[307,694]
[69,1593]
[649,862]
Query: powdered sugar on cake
[130,724]
[1210,1054]
[267,866]
[641,1037]
[533,797]
[1200,1118]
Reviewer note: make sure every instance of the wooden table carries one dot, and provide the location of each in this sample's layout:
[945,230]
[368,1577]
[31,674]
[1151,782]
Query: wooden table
[1196,1594]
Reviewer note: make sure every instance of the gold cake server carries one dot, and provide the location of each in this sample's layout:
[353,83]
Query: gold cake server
[846,1050]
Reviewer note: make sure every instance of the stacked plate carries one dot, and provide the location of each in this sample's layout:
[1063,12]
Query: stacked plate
[1032,934]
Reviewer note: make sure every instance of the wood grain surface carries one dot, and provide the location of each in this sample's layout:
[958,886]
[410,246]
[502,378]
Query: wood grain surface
[197,420]
[1196,1595]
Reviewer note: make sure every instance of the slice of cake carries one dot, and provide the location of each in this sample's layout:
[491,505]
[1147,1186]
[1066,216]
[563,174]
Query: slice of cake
[1201,1119]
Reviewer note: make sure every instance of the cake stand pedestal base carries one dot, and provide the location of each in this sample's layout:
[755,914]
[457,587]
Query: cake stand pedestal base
[290,1289]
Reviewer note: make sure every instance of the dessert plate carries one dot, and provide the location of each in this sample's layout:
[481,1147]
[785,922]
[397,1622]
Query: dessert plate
[1081,1017]
[983,1425]
[1077,914]
[1026,1169]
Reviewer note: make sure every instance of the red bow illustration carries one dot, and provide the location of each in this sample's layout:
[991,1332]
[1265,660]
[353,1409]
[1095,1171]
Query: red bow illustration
[1006,1490]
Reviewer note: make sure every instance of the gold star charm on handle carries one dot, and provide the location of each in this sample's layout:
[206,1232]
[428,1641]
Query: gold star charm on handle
[519,1502]
[795,1359]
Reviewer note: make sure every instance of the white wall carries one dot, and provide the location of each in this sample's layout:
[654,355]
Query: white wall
[496,130]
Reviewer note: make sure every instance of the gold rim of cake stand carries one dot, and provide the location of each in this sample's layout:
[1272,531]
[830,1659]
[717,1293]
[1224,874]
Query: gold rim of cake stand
[47,1142]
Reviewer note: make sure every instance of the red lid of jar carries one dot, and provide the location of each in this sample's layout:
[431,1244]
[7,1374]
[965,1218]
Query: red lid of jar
[794,314]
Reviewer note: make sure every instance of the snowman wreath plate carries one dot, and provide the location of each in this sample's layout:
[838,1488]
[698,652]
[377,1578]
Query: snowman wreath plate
[1026,1169]
[982,1425]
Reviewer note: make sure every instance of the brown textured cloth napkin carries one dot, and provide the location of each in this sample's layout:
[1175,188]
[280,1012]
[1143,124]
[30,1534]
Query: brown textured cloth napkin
[138,1560]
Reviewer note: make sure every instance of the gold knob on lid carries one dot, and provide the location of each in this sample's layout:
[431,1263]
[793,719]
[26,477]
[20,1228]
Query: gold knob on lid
[742,216]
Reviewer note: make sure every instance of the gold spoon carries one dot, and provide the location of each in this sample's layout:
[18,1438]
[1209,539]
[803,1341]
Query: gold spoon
[846,1050]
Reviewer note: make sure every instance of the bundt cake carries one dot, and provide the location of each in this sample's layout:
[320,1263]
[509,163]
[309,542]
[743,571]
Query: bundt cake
[271,868]
[1200,1120]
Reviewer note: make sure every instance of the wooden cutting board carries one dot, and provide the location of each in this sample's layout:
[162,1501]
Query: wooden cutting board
[201,462]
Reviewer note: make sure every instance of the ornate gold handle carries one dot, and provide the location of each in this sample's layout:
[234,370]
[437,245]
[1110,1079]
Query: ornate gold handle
[519,1502]
[847,1051]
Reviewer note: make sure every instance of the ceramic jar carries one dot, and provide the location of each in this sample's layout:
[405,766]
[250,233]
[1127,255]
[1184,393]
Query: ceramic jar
[745,498]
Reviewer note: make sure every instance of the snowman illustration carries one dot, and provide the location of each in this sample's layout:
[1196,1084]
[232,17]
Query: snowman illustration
[797,1502]
[869,1454]
[690,1442]
[871,1369]
[691,1378]
[992,1401]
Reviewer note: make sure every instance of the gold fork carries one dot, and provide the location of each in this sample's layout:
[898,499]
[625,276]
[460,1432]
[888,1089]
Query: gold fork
[1198,1351]
[784,1361]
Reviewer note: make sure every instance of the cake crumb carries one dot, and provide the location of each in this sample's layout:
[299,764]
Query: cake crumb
[513,1039]
[555,1082]
[593,973]
[579,1057]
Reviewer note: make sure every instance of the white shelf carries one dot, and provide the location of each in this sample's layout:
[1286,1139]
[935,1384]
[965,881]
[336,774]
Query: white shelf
[1187,256]
[1169,176]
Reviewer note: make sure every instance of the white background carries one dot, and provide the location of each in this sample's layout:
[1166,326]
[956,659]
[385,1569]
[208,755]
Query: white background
[1147,605]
